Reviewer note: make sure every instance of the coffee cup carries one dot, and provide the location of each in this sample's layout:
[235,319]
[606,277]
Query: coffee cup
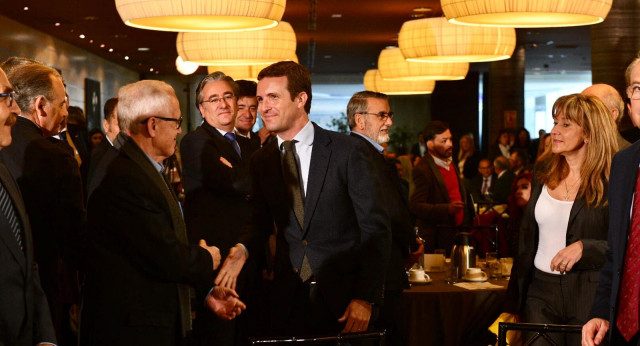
[475,274]
[416,275]
[433,262]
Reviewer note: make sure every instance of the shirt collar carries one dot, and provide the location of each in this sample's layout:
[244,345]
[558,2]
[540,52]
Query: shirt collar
[304,137]
[440,162]
[378,147]
[225,132]
[157,165]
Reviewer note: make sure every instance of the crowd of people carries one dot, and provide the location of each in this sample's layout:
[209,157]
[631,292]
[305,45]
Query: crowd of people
[117,237]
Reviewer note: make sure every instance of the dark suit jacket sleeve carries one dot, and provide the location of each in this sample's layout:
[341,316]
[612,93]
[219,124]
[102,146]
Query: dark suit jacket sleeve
[142,228]
[425,185]
[42,324]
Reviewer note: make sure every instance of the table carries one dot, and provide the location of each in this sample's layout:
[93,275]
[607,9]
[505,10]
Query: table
[442,314]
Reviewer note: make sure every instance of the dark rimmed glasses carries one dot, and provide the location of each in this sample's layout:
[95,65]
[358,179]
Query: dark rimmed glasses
[216,100]
[11,96]
[382,115]
[178,121]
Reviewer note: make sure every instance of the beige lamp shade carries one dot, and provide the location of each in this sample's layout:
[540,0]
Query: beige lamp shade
[436,40]
[247,72]
[201,15]
[374,82]
[393,66]
[526,13]
[260,47]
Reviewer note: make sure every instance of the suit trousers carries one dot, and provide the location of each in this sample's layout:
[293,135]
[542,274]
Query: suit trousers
[558,299]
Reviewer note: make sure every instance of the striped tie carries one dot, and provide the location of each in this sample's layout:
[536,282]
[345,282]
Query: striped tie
[6,206]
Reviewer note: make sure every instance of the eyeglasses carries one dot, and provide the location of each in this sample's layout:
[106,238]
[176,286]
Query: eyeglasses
[216,100]
[11,96]
[633,92]
[177,120]
[382,115]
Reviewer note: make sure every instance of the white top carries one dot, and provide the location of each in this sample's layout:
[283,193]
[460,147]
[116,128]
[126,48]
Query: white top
[304,147]
[552,216]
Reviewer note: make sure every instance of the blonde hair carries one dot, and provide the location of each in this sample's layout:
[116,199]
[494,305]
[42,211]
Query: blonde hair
[598,130]
[462,154]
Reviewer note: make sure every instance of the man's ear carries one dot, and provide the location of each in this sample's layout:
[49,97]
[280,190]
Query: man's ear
[360,121]
[430,145]
[302,99]
[39,106]
[151,126]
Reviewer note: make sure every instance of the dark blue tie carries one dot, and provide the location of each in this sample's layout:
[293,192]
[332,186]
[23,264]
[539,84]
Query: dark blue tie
[6,206]
[231,137]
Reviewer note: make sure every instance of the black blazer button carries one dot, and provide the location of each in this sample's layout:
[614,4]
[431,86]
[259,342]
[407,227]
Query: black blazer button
[304,242]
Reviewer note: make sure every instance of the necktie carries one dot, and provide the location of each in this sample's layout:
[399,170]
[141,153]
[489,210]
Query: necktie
[294,190]
[627,319]
[7,208]
[484,186]
[231,137]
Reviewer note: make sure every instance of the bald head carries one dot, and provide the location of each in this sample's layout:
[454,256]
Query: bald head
[610,97]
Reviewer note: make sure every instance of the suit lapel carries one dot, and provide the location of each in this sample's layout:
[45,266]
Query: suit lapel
[442,186]
[222,143]
[320,156]
[5,230]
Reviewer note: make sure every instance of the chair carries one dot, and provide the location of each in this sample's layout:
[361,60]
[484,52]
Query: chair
[321,340]
[541,331]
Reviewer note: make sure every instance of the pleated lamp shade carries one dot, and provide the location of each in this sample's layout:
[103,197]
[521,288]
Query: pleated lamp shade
[526,13]
[393,66]
[374,82]
[238,48]
[247,72]
[435,39]
[201,15]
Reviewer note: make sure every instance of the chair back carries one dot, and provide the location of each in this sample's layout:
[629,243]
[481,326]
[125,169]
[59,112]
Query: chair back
[539,330]
[337,340]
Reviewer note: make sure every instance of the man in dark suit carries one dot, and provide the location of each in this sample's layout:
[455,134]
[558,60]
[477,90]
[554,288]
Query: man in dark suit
[217,186]
[25,319]
[439,198]
[369,117]
[140,264]
[504,180]
[247,110]
[111,130]
[333,237]
[50,183]
[483,184]
[615,307]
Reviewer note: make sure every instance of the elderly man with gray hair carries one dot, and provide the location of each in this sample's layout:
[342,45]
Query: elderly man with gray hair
[612,99]
[140,262]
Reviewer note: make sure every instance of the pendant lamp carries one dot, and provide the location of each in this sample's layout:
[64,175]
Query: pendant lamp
[247,72]
[393,66]
[373,82]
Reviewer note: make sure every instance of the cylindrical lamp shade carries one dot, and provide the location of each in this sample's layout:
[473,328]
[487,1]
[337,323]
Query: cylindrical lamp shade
[201,15]
[393,66]
[373,82]
[247,72]
[238,48]
[526,13]
[435,39]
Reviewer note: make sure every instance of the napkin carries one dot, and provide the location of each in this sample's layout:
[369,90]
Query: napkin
[477,285]
[513,336]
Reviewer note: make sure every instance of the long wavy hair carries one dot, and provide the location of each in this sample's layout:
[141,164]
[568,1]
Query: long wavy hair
[598,129]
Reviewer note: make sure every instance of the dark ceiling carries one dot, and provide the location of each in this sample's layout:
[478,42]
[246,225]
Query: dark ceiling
[334,36]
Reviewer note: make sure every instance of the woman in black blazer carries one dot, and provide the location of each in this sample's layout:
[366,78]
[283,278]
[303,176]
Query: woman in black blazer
[564,230]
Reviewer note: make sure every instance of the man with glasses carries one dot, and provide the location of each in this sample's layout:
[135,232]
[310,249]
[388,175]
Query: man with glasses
[615,307]
[24,312]
[140,263]
[439,198]
[369,117]
[215,163]
[50,183]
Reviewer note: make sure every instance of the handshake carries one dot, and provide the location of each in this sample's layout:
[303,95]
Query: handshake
[223,301]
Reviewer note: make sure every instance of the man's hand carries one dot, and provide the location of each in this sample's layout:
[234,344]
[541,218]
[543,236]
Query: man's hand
[231,267]
[224,302]
[214,251]
[455,207]
[594,331]
[357,316]
[566,258]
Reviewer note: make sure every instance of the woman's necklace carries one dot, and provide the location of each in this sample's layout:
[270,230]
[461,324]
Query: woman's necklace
[568,189]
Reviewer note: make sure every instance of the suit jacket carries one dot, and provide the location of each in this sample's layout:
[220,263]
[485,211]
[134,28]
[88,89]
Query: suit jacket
[25,319]
[140,262]
[402,234]
[346,235]
[476,186]
[502,187]
[96,155]
[430,201]
[588,224]
[624,170]
[216,196]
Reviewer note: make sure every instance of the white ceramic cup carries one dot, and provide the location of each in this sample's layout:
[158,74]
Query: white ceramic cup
[416,275]
[474,274]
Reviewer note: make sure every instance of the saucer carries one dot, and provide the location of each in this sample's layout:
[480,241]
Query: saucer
[482,278]
[420,282]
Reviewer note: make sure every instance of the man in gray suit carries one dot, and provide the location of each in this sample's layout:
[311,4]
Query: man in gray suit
[25,319]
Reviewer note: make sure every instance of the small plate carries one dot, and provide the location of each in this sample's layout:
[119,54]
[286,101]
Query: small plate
[426,281]
[480,279]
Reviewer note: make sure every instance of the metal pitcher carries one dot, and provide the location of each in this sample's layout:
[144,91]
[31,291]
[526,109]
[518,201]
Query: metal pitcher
[463,255]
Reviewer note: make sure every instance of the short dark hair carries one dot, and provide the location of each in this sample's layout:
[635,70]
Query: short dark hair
[246,88]
[76,116]
[214,77]
[298,79]
[521,156]
[434,128]
[109,107]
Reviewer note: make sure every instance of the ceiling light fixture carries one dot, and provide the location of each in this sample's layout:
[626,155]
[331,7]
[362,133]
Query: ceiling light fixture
[110,50]
[201,15]
[185,67]
[57,24]
[436,40]
[526,13]
[143,49]
[81,36]
[247,72]
[238,48]
[393,66]
[374,82]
